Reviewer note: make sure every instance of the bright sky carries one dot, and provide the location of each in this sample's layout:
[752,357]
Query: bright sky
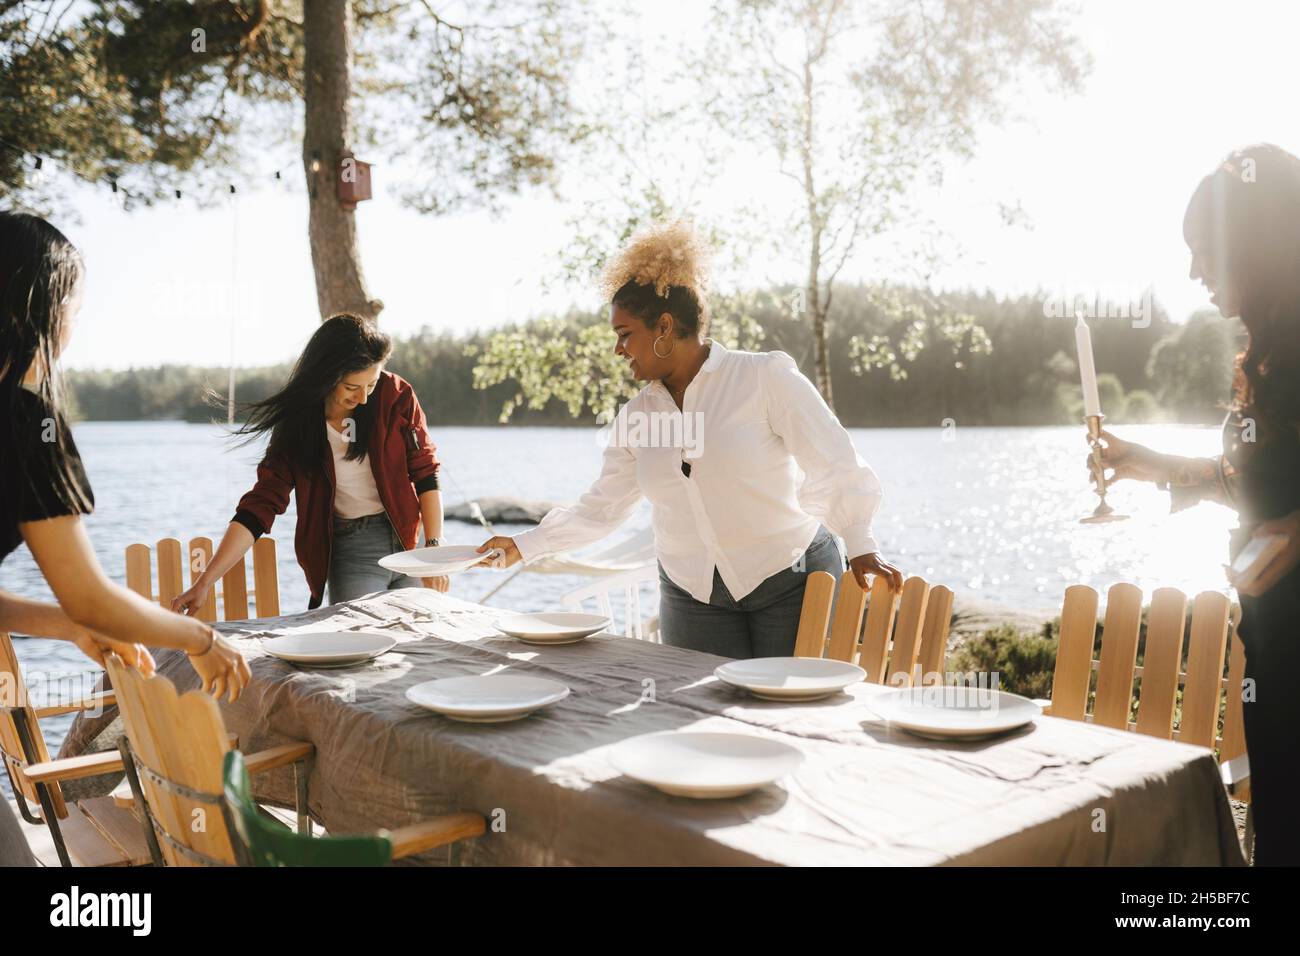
[1103,177]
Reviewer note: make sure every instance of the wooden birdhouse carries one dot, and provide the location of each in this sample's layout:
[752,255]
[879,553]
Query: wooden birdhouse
[353,183]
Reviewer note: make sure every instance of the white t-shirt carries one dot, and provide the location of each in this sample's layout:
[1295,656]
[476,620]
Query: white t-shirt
[355,494]
[749,425]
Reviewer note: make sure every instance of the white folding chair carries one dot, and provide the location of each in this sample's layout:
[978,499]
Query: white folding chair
[629,583]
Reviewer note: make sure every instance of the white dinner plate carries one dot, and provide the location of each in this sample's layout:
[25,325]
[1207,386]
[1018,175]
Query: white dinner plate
[552,627]
[430,562]
[790,678]
[489,699]
[328,649]
[705,765]
[948,713]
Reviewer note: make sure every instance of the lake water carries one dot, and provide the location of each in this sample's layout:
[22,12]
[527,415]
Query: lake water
[991,512]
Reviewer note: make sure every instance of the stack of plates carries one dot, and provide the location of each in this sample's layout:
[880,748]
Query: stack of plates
[790,678]
[330,649]
[560,627]
[490,699]
[433,562]
[704,765]
[954,713]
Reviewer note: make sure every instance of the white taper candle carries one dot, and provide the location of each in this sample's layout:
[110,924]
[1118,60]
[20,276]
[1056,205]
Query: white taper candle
[1087,370]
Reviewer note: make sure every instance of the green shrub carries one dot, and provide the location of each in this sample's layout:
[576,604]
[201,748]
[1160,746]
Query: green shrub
[1140,406]
[1023,662]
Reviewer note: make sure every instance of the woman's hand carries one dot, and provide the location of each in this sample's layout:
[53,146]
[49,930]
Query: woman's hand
[222,669]
[189,602]
[95,646]
[440,583]
[1284,561]
[1127,459]
[873,563]
[512,555]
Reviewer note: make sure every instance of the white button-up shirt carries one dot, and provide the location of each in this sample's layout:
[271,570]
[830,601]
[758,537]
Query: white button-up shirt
[749,422]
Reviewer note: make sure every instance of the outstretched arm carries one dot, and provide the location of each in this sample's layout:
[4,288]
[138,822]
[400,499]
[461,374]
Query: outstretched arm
[609,502]
[254,515]
[66,559]
[40,619]
[840,489]
[1188,480]
[234,545]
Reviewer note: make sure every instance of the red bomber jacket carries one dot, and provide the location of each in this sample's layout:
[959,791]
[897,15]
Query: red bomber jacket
[401,458]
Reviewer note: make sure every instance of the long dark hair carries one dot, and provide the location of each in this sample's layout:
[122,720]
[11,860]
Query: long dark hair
[295,415]
[40,277]
[1249,208]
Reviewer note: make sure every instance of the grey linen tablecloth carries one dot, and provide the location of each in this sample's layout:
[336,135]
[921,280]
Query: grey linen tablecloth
[865,794]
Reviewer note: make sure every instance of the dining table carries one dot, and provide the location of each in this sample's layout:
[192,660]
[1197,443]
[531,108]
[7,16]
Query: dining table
[867,792]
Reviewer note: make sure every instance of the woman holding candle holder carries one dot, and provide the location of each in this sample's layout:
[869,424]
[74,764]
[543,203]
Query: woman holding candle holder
[1243,228]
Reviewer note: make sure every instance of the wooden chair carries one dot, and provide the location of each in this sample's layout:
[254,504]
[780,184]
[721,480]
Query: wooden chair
[1212,645]
[91,832]
[904,640]
[234,583]
[629,584]
[174,752]
[260,841]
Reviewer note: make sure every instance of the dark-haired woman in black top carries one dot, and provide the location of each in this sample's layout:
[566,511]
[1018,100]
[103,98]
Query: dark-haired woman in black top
[44,492]
[1243,228]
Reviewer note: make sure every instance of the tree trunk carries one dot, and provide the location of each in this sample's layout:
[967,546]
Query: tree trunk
[818,309]
[823,357]
[332,228]
[816,225]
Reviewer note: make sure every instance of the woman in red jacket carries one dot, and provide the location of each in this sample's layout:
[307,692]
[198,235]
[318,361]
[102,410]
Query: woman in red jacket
[349,440]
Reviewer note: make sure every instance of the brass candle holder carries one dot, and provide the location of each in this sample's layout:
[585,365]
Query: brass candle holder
[1103,511]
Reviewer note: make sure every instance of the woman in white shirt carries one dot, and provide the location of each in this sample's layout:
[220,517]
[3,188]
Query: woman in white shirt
[716,441]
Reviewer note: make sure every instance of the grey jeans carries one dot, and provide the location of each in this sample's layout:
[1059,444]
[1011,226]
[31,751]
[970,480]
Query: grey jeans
[358,545]
[764,623]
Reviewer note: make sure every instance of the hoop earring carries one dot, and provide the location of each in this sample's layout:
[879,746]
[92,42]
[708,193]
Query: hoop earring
[655,346]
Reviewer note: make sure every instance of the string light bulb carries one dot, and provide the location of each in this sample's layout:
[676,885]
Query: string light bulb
[38,175]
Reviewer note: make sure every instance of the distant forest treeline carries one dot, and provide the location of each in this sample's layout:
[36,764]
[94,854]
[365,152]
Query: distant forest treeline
[1163,372]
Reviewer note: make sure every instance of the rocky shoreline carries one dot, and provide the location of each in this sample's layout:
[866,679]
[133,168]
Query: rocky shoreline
[972,616]
[505,509]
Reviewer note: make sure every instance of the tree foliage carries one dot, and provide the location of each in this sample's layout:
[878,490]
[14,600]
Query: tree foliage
[563,371]
[472,99]
[862,101]
[1194,366]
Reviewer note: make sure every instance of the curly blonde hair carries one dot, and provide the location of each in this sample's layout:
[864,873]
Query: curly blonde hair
[663,269]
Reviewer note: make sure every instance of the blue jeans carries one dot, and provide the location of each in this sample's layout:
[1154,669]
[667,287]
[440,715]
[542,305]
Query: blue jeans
[358,545]
[764,623]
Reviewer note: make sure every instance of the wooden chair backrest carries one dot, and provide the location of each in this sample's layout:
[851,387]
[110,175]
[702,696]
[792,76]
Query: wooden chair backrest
[176,741]
[903,639]
[13,694]
[815,614]
[1233,744]
[234,583]
[1163,671]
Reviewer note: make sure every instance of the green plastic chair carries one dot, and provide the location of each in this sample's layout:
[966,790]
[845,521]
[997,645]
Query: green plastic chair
[259,841]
